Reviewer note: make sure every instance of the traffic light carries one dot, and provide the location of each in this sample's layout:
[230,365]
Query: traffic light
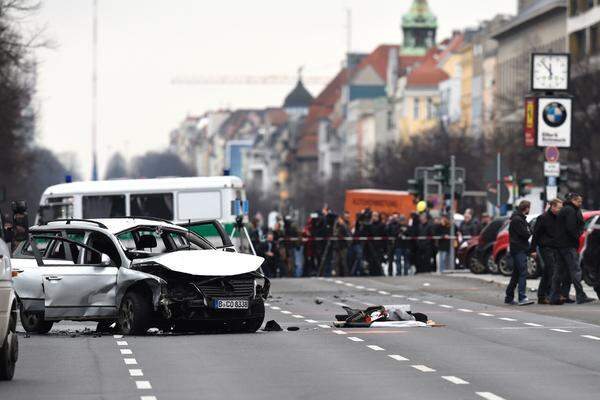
[525,187]
[415,187]
[442,174]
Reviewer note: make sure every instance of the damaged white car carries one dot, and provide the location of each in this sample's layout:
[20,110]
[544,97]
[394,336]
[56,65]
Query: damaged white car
[137,273]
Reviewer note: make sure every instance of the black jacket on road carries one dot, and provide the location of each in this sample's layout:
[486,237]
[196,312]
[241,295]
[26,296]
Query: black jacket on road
[519,233]
[545,231]
[570,226]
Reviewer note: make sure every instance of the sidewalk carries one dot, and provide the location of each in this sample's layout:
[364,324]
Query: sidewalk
[532,284]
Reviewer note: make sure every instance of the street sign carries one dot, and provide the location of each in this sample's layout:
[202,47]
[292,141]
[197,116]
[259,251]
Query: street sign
[552,154]
[551,192]
[530,103]
[551,169]
[552,181]
[554,122]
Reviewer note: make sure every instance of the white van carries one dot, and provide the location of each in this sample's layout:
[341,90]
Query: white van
[9,346]
[179,200]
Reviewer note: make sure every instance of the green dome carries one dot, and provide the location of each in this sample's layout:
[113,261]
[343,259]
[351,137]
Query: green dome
[419,16]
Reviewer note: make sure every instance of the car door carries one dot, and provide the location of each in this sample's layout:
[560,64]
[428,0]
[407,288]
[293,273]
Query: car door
[84,288]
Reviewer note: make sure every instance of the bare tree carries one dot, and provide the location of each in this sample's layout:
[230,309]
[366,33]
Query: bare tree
[116,167]
[158,164]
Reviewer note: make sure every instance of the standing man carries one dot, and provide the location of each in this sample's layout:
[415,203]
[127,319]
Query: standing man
[570,228]
[519,234]
[545,236]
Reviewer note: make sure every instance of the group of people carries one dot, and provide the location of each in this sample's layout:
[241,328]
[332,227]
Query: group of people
[555,238]
[375,245]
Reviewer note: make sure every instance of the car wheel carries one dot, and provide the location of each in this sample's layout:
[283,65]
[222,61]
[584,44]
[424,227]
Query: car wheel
[34,323]
[492,266]
[9,353]
[476,266]
[533,268]
[134,314]
[504,266]
[254,323]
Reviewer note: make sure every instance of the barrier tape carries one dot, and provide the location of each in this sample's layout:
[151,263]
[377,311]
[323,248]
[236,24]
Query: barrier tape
[371,238]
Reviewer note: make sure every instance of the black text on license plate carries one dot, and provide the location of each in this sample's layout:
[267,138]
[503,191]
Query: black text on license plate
[226,304]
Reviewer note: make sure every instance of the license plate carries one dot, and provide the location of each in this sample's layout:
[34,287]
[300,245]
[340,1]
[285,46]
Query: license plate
[223,304]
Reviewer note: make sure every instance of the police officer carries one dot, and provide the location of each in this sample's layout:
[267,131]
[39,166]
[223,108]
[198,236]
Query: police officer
[545,235]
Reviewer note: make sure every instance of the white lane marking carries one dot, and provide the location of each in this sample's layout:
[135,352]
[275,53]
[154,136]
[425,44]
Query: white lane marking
[591,337]
[465,310]
[136,372]
[126,351]
[143,385]
[427,284]
[360,287]
[484,314]
[383,292]
[376,348]
[560,330]
[121,343]
[341,304]
[423,368]
[286,312]
[532,324]
[507,319]
[130,361]
[445,306]
[324,326]
[311,321]
[275,308]
[349,284]
[371,290]
[397,357]
[412,299]
[355,339]
[118,336]
[298,316]
[489,396]
[148,398]
[399,296]
[428,302]
[321,278]
[267,304]
[338,332]
[339,282]
[456,380]
[366,303]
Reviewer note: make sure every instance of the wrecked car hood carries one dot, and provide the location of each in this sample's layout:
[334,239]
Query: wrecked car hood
[206,262]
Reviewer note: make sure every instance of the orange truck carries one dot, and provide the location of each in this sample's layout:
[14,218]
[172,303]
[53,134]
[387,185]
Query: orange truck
[383,201]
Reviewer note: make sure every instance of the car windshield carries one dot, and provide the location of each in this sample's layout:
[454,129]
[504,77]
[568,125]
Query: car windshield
[150,241]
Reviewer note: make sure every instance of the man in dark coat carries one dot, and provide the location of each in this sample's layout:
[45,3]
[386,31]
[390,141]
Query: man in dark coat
[270,252]
[545,236]
[570,228]
[519,234]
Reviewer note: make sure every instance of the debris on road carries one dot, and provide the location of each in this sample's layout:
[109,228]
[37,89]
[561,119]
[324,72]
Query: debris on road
[396,316]
[293,328]
[272,326]
[318,301]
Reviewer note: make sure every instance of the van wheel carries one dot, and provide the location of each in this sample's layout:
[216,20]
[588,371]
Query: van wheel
[9,353]
[134,314]
[34,323]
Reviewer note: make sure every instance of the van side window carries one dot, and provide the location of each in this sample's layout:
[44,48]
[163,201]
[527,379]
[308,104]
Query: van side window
[158,205]
[103,206]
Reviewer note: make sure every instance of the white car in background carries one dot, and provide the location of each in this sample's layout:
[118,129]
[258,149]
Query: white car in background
[9,345]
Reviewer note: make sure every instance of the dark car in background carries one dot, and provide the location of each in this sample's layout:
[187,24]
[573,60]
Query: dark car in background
[479,260]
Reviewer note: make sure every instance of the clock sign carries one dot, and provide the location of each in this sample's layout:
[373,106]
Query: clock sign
[550,72]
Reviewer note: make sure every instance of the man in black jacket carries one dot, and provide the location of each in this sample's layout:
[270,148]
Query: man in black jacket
[519,234]
[570,228]
[545,235]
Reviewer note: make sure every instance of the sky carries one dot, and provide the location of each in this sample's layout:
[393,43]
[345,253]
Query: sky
[145,44]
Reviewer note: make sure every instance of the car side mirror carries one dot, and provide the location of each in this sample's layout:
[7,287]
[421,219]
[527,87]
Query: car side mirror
[105,260]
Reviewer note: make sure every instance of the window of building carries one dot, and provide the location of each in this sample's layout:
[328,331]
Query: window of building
[594,39]
[430,110]
[416,105]
[579,44]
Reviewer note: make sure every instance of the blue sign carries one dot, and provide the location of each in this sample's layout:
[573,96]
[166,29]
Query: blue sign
[552,181]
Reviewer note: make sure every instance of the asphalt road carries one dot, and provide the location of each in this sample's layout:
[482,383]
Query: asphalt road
[485,351]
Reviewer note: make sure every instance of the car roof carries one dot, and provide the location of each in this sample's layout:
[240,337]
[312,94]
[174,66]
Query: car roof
[112,225]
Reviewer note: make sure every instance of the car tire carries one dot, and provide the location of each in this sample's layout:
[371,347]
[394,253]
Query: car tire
[35,323]
[533,268]
[135,314]
[476,266]
[9,353]
[504,267]
[254,323]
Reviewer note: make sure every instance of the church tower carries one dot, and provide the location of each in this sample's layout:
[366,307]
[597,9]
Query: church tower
[419,27]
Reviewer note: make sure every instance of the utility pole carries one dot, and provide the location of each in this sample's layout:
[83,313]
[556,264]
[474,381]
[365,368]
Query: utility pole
[498,182]
[95,91]
[452,208]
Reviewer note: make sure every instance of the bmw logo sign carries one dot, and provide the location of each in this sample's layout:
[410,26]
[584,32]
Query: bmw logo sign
[555,114]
